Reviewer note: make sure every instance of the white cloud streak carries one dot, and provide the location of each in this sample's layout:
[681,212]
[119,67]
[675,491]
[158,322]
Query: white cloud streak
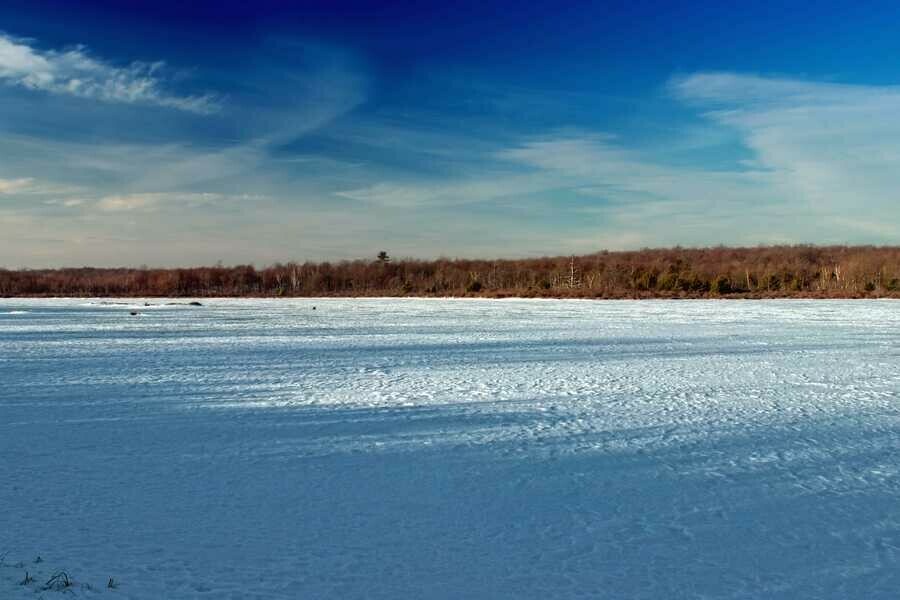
[74,72]
[12,186]
[157,201]
[833,149]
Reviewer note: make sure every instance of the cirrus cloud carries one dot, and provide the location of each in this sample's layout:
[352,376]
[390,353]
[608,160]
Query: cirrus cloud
[155,201]
[75,72]
[11,186]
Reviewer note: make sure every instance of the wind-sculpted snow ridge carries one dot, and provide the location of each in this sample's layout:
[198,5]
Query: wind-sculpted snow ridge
[450,449]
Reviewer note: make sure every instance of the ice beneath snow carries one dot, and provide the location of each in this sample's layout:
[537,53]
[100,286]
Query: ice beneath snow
[450,449]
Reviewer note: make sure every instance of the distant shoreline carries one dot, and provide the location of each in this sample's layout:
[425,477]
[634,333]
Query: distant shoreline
[729,297]
[763,272]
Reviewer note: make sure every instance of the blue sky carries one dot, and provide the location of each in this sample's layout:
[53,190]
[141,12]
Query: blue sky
[149,133]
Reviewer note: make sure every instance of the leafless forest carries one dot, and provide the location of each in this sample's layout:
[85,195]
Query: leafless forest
[772,271]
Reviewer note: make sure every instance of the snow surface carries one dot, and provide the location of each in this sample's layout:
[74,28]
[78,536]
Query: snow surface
[450,449]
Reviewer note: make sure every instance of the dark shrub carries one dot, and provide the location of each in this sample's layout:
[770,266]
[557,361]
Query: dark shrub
[720,285]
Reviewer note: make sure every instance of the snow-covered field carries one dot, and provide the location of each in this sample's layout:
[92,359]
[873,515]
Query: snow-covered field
[451,449]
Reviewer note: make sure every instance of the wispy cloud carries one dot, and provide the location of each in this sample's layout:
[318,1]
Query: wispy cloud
[832,149]
[824,160]
[596,165]
[75,72]
[448,192]
[304,86]
[804,162]
[65,202]
[155,201]
[11,186]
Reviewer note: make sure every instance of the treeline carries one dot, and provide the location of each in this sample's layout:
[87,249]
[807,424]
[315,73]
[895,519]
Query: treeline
[771,271]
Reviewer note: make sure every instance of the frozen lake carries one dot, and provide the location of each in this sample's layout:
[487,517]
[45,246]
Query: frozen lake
[451,449]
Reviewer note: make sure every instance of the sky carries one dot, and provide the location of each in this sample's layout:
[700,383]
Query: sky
[154,133]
